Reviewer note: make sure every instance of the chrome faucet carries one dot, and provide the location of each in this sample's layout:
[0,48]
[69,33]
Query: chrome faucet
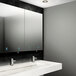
[12,61]
[34,58]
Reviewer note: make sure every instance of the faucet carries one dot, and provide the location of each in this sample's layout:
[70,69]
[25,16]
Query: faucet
[34,58]
[12,61]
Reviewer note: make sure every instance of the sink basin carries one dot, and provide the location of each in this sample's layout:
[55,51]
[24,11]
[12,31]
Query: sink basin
[37,68]
[16,66]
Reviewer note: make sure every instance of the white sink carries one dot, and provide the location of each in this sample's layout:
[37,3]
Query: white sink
[16,66]
[36,68]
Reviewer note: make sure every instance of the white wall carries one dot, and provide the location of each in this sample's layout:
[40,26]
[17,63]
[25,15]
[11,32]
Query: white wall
[60,37]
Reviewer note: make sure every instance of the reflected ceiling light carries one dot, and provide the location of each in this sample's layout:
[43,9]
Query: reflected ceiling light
[45,1]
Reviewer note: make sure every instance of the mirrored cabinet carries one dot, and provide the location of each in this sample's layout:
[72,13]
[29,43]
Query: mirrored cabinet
[33,30]
[20,29]
[14,29]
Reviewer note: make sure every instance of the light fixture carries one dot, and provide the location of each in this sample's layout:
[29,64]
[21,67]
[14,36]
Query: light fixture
[45,1]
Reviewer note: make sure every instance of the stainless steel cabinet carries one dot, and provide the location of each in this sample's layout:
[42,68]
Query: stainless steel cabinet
[33,30]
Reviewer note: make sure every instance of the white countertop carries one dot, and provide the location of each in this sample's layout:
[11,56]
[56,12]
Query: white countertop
[36,68]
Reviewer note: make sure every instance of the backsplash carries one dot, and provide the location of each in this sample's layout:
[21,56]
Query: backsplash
[19,57]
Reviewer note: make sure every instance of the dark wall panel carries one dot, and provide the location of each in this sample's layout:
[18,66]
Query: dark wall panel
[19,57]
[23,5]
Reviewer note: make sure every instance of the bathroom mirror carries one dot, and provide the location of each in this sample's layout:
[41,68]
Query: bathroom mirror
[20,29]
[33,30]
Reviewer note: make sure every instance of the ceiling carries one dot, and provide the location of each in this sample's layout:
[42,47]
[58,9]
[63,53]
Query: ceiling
[48,4]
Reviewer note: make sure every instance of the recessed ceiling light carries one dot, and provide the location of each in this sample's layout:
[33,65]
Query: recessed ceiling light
[45,1]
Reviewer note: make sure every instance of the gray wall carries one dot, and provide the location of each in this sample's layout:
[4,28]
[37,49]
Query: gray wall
[60,37]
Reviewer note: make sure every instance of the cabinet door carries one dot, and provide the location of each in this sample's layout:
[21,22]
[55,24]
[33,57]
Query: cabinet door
[33,31]
[1,34]
[14,29]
